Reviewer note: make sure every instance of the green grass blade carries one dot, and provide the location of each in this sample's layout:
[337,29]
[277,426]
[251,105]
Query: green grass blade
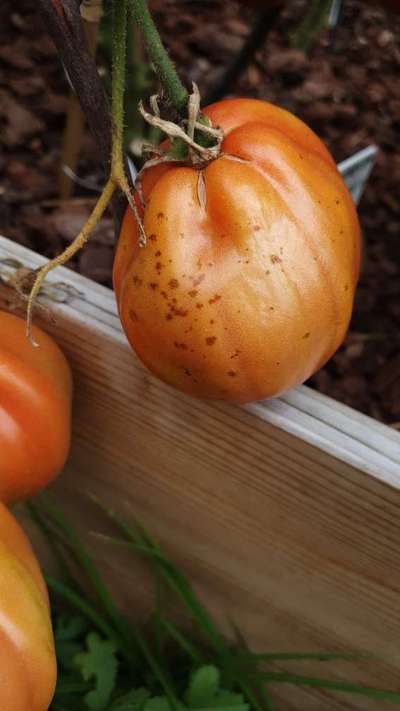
[247,656]
[142,543]
[126,632]
[42,524]
[187,646]
[335,685]
[88,566]
[76,601]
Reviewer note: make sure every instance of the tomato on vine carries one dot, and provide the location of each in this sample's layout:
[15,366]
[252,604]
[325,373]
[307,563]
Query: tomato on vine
[246,284]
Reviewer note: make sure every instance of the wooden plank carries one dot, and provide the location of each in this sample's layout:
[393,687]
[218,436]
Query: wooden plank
[285,514]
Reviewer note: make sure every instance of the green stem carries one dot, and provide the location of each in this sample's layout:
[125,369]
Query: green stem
[172,85]
[118,77]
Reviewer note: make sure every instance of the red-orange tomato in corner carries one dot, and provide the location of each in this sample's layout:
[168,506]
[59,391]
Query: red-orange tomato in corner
[28,666]
[35,404]
[246,286]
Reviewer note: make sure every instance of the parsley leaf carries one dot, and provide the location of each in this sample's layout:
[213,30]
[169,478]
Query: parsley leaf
[98,662]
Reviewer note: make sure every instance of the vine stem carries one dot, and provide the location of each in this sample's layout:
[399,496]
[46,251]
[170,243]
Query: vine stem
[172,85]
[117,176]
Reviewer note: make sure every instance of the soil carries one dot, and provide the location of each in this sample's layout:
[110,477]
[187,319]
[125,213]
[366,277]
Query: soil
[347,89]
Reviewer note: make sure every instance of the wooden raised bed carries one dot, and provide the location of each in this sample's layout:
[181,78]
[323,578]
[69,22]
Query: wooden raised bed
[285,514]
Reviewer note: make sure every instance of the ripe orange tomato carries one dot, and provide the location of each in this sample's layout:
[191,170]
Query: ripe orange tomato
[35,404]
[27,656]
[246,284]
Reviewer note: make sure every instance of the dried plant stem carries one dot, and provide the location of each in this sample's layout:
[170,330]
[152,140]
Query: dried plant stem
[117,177]
[91,11]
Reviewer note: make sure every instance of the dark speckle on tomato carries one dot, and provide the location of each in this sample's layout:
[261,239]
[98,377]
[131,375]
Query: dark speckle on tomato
[214,299]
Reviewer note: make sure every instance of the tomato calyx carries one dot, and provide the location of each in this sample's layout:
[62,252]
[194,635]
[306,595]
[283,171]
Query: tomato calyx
[193,141]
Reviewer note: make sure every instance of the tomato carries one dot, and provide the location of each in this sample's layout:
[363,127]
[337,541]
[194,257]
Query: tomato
[27,657]
[35,404]
[246,284]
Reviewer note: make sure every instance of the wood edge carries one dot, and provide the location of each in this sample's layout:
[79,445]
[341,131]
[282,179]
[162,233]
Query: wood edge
[334,428]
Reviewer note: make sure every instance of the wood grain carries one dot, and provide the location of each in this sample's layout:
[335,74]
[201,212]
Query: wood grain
[285,514]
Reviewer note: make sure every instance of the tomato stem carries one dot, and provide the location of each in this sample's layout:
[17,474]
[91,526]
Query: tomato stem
[172,85]
[119,8]
[117,176]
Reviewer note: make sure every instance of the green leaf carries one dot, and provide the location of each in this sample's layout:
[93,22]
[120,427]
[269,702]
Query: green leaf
[203,687]
[134,700]
[98,663]
[204,692]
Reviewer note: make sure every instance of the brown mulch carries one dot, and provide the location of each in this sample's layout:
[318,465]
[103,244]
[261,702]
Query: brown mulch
[347,90]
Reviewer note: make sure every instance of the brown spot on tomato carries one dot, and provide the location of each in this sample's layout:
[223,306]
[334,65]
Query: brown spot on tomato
[210,340]
[178,312]
[306,335]
[173,283]
[153,238]
[193,293]
[214,299]
[198,280]
[153,285]
[275,259]
[133,315]
[232,373]
[137,281]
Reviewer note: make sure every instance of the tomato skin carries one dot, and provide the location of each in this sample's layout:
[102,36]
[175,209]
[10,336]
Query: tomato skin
[35,405]
[246,295]
[27,658]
